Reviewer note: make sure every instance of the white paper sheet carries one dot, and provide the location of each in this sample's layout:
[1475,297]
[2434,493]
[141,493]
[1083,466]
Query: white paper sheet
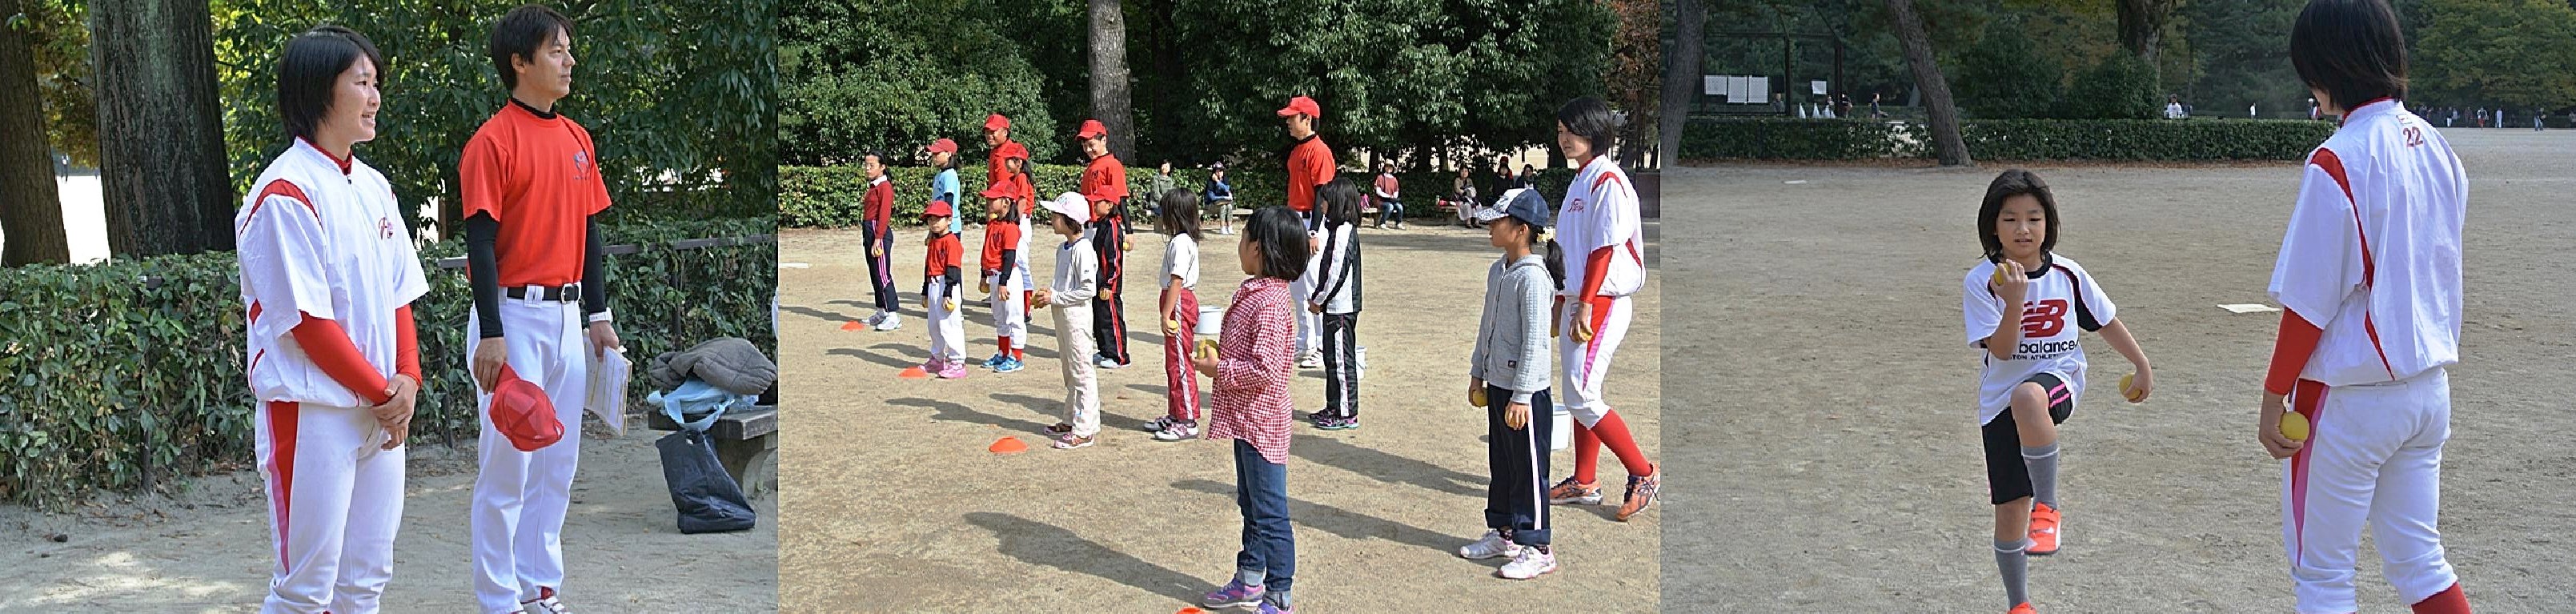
[2248,308]
[607,400]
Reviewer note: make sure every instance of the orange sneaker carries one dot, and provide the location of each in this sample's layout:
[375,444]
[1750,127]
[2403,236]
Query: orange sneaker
[1641,492]
[2043,529]
[2024,608]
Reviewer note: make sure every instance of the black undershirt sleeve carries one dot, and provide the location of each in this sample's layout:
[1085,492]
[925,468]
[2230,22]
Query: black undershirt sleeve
[484,271]
[594,271]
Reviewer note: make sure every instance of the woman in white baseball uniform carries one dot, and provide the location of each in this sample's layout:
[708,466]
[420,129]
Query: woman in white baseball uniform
[1599,227]
[2369,282]
[328,274]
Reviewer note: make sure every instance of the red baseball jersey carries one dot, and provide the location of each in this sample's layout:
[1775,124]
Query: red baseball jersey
[540,179]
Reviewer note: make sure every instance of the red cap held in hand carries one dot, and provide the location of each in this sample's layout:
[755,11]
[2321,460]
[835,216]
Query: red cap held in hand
[521,412]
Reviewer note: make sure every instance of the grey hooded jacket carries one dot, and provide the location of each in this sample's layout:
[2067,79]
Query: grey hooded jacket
[1513,349]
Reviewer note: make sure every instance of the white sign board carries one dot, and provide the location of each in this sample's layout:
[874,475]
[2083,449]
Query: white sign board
[1713,85]
[1817,87]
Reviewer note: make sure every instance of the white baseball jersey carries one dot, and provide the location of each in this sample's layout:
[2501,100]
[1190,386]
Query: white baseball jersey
[2372,258]
[1181,259]
[324,239]
[2372,253]
[1600,210]
[2063,303]
[353,264]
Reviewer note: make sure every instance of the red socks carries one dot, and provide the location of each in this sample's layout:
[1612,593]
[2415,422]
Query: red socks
[1613,432]
[2449,601]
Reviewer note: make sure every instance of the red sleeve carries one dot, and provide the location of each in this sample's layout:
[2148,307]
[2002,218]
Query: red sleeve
[2290,352]
[329,347]
[1596,267]
[406,344]
[480,174]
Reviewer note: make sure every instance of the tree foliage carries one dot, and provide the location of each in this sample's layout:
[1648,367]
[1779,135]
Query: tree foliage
[1391,75]
[2519,53]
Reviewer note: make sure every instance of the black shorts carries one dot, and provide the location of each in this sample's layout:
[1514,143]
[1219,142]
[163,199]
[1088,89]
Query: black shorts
[2006,475]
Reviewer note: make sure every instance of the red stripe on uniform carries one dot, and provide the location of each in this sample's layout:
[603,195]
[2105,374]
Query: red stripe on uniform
[281,465]
[2309,396]
[277,187]
[2325,159]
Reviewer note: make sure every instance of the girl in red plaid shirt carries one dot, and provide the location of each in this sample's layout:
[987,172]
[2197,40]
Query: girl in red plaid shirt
[1255,360]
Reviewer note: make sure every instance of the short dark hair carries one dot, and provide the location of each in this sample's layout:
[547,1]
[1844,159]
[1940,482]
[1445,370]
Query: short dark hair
[520,33]
[1179,213]
[2352,49]
[1591,119]
[1280,238]
[2014,182]
[308,74]
[1341,201]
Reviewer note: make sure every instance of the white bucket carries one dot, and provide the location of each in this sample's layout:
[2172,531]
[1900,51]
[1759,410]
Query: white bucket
[1564,434]
[1360,355]
[1211,320]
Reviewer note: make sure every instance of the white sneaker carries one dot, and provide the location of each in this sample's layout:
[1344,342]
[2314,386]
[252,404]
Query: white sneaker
[1528,563]
[875,318]
[1492,545]
[1158,424]
[1176,431]
[1311,361]
[892,321]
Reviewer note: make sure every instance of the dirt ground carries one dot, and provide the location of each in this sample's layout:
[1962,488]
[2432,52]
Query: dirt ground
[207,549]
[892,500]
[1839,421]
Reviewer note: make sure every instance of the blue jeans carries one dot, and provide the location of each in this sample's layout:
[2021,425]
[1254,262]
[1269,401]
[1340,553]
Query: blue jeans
[1386,207]
[1261,490]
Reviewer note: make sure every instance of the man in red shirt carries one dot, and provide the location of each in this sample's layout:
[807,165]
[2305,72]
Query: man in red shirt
[1310,166]
[532,190]
[876,227]
[997,133]
[1104,184]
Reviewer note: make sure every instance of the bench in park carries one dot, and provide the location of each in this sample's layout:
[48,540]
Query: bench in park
[746,442]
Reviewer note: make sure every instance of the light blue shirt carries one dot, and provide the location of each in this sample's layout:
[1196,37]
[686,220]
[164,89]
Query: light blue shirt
[944,187]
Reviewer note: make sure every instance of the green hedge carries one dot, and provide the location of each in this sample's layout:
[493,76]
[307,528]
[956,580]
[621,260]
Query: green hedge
[828,196]
[2008,139]
[128,374]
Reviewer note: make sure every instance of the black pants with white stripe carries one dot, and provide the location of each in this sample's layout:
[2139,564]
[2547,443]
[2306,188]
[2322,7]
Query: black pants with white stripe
[1516,502]
[1108,322]
[1341,365]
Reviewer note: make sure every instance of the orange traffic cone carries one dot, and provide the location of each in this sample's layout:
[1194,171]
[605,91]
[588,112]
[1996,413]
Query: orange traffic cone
[853,325]
[1008,445]
[913,373]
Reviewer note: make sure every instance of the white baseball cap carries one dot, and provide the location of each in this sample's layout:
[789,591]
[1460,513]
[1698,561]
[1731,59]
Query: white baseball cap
[1072,205]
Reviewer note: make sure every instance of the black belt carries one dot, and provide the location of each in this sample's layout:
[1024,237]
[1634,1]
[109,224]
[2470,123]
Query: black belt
[559,294]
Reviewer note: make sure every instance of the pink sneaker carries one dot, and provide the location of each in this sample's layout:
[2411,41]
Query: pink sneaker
[954,370]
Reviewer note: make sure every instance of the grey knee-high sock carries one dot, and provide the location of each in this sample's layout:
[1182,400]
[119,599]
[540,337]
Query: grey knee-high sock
[2043,472]
[2013,560]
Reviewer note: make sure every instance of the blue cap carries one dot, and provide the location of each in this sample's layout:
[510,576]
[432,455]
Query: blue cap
[1522,204]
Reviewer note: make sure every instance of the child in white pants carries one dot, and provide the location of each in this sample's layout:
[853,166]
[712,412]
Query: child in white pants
[1077,278]
[1005,277]
[941,276]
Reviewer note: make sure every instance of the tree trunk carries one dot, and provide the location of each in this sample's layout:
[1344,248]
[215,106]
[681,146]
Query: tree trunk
[161,156]
[2142,27]
[1935,88]
[1111,93]
[31,211]
[1681,78]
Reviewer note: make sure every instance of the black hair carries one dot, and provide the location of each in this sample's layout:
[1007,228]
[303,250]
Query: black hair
[1591,119]
[1058,216]
[1341,202]
[1556,263]
[308,74]
[520,34]
[2351,49]
[1281,240]
[1179,213]
[2014,182]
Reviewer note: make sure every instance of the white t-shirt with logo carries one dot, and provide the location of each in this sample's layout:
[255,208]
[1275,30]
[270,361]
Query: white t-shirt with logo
[315,239]
[2063,302]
